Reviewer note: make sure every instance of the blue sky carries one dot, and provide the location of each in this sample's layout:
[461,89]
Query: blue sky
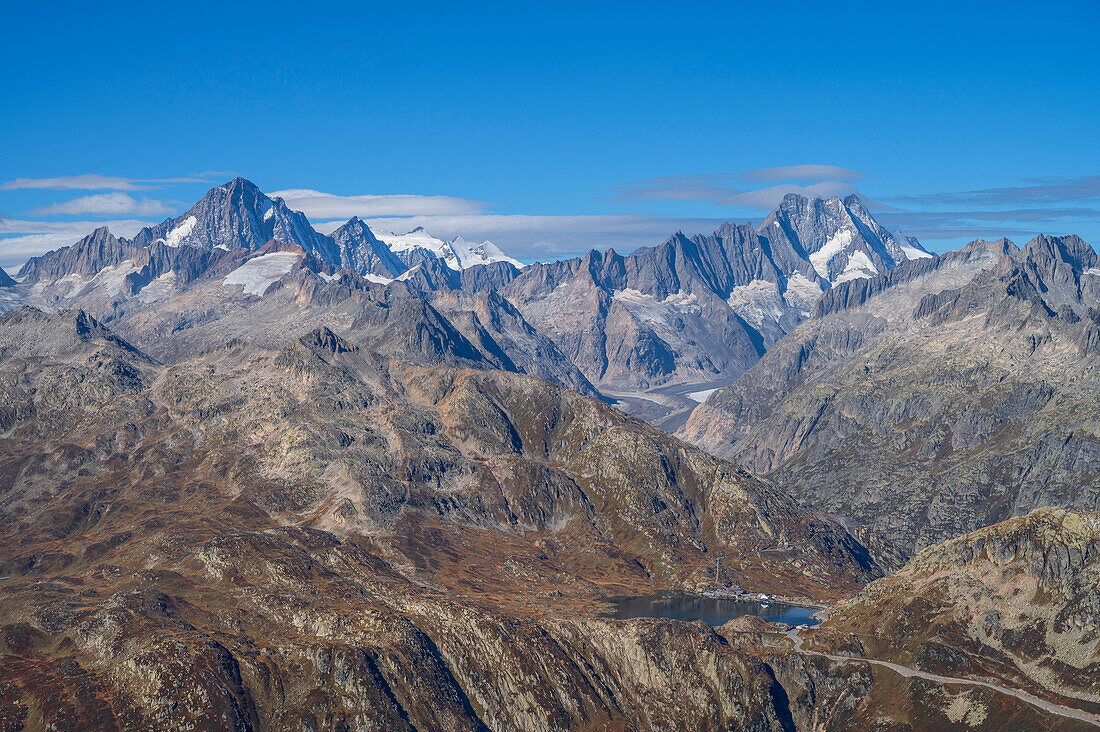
[558,128]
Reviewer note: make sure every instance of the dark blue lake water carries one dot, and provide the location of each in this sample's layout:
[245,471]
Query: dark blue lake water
[712,610]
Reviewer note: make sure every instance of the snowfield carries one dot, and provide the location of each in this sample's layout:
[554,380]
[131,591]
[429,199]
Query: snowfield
[859,266]
[701,396]
[458,254]
[801,292]
[256,275]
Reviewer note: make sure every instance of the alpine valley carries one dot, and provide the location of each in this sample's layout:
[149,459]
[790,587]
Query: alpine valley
[255,476]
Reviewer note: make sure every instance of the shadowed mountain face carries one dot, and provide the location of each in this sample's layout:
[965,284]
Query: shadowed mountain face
[320,534]
[943,397]
[362,252]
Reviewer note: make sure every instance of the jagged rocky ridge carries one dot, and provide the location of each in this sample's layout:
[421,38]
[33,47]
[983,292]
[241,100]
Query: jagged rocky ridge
[237,215]
[703,308]
[362,252]
[940,398]
[689,311]
[173,300]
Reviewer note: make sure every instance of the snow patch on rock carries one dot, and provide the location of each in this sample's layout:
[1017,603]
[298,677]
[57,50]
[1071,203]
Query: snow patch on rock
[159,289]
[648,309]
[801,292]
[458,254]
[859,266]
[914,253]
[834,246]
[111,278]
[181,232]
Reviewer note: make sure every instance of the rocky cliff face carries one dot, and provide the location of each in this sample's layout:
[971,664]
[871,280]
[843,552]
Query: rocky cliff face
[494,323]
[634,321]
[321,534]
[362,252]
[942,398]
[837,238]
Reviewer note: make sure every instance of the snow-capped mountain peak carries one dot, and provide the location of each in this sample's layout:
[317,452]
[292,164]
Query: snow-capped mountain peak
[238,214]
[415,246]
[485,252]
[838,237]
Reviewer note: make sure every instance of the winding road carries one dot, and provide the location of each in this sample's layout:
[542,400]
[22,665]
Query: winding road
[910,672]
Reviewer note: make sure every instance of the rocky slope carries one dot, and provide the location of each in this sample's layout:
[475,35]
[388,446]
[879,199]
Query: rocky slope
[1017,602]
[320,534]
[946,396]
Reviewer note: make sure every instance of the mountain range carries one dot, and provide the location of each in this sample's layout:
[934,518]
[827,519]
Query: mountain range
[696,310]
[254,476]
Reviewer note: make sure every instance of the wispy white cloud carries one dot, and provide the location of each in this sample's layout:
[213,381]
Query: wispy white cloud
[765,199]
[97,182]
[109,204]
[86,182]
[320,205]
[988,224]
[699,187]
[800,173]
[1035,191]
[742,189]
